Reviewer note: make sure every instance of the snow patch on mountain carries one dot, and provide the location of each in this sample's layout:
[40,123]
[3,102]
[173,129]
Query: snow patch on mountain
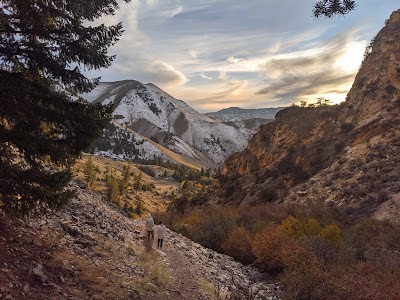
[153,113]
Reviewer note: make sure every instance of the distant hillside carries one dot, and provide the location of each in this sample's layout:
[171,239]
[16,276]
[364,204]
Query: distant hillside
[346,155]
[151,112]
[232,114]
[118,141]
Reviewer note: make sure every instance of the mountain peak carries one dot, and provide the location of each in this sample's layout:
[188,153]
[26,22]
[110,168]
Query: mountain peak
[151,112]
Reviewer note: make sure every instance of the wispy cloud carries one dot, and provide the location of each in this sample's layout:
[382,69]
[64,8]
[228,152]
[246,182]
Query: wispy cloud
[202,75]
[173,12]
[297,75]
[245,53]
[231,88]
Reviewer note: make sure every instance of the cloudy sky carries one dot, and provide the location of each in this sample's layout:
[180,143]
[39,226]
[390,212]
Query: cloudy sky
[215,54]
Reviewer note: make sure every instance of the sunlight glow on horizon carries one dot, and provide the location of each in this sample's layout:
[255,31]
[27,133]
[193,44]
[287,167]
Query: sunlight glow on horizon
[252,57]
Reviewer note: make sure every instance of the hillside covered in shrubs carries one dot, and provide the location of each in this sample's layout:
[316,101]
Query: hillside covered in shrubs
[313,200]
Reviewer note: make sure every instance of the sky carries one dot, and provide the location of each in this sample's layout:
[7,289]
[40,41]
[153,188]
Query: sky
[215,54]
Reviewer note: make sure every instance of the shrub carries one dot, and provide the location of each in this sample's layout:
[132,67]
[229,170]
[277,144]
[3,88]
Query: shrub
[368,233]
[214,229]
[298,228]
[270,248]
[332,234]
[303,276]
[300,270]
[238,245]
[364,281]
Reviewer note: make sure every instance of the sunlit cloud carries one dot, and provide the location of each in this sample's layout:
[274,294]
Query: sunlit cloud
[327,70]
[258,53]
[166,74]
[227,89]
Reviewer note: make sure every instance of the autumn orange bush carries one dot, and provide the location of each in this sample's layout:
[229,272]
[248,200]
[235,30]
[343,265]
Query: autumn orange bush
[300,270]
[238,245]
[314,251]
[360,282]
[271,248]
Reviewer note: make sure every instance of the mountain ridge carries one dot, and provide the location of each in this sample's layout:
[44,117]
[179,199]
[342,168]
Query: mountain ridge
[153,113]
[242,114]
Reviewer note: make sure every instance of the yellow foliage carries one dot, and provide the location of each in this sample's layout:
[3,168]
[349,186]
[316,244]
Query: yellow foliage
[289,226]
[310,227]
[192,220]
[332,234]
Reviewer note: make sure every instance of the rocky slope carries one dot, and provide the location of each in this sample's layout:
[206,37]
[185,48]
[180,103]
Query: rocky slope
[119,142]
[90,250]
[347,154]
[149,111]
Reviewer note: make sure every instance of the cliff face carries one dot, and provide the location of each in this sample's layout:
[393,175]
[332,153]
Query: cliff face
[340,145]
[374,95]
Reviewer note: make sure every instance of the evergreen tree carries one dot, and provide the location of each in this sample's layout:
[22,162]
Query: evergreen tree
[137,183]
[44,45]
[112,188]
[90,172]
[329,8]
[126,175]
[139,207]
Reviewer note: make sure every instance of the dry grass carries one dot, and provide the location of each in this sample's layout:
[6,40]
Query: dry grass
[214,291]
[88,271]
[157,272]
[102,277]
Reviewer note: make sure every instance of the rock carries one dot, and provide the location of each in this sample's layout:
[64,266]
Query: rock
[39,275]
[81,184]
[150,287]
[72,230]
[134,295]
[26,288]
[301,193]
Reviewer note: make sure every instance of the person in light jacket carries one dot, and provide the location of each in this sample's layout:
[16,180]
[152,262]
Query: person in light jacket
[150,227]
[160,232]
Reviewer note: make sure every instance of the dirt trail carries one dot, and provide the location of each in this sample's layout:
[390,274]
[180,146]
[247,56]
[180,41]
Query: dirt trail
[89,250]
[184,284]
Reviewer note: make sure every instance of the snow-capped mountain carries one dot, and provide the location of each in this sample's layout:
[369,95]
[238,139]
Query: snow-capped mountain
[152,113]
[233,114]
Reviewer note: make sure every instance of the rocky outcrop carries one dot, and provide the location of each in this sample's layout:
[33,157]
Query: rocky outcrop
[329,152]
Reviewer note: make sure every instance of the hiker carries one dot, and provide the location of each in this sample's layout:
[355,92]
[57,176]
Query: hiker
[150,227]
[160,232]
